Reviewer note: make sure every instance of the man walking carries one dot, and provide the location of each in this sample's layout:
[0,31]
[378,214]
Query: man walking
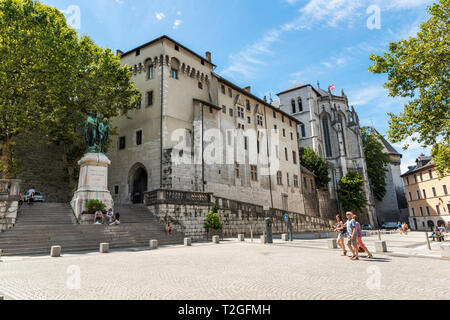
[351,234]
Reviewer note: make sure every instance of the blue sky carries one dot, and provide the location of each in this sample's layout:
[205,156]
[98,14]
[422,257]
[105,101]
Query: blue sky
[270,45]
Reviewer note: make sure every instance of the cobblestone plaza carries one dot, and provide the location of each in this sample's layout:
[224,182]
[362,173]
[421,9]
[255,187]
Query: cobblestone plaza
[298,270]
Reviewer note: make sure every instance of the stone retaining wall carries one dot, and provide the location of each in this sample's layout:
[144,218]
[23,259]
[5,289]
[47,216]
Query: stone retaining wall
[237,217]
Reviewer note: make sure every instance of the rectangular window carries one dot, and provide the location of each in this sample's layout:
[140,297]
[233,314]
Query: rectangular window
[415,179]
[200,85]
[249,120]
[174,74]
[247,104]
[294,157]
[151,72]
[434,192]
[257,146]
[279,178]
[230,93]
[413,212]
[445,189]
[210,110]
[116,189]
[428,211]
[121,143]
[430,172]
[240,112]
[274,115]
[139,104]
[438,210]
[149,98]
[284,132]
[254,173]
[275,127]
[138,52]
[259,119]
[286,154]
[421,211]
[410,197]
[421,177]
[139,137]
[407,181]
[303,128]
[224,109]
[222,88]
[246,143]
[418,194]
[424,194]
[292,136]
[236,170]
[287,179]
[295,180]
[231,112]
[305,183]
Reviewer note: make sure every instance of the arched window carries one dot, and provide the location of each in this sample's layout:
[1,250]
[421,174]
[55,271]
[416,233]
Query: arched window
[294,110]
[300,105]
[326,136]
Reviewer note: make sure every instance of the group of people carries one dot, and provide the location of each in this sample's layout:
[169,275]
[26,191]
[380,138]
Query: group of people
[403,228]
[30,197]
[109,218]
[352,230]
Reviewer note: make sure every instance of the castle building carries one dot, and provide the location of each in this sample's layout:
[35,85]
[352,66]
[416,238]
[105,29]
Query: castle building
[331,128]
[196,131]
[428,196]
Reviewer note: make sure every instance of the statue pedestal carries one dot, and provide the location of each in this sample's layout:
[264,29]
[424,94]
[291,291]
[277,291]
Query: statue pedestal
[92,184]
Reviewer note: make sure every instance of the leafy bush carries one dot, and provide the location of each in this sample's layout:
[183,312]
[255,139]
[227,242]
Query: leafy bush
[94,205]
[212,220]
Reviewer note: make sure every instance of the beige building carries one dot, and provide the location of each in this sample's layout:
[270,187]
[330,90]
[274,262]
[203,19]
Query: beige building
[196,131]
[428,197]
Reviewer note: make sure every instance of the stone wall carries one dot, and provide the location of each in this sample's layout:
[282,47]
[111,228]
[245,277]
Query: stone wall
[40,166]
[188,211]
[9,196]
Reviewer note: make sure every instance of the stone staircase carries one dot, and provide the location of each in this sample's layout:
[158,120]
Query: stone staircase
[43,225]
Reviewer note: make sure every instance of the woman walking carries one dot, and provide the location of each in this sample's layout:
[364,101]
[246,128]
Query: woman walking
[341,231]
[359,237]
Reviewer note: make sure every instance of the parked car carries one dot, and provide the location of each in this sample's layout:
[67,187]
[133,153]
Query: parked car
[390,225]
[38,197]
[367,227]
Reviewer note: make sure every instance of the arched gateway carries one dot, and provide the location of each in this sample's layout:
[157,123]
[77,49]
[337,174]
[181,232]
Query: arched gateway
[138,182]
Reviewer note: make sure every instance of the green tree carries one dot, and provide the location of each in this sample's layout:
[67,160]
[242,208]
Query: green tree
[351,193]
[418,68]
[317,165]
[50,80]
[212,220]
[376,161]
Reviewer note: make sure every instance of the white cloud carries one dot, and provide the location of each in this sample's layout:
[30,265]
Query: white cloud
[160,15]
[120,1]
[177,23]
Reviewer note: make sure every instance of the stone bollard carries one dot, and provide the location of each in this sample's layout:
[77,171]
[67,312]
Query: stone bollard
[153,244]
[215,239]
[241,237]
[188,242]
[285,237]
[1,251]
[380,246]
[55,251]
[332,244]
[445,250]
[263,239]
[104,247]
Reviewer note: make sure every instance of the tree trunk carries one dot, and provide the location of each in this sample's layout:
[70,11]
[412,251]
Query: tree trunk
[6,159]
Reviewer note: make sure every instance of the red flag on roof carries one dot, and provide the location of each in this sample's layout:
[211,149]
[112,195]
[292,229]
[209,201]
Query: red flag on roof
[332,87]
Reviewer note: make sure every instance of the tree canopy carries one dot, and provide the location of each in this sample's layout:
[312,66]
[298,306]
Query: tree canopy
[351,193]
[50,80]
[418,68]
[376,161]
[317,165]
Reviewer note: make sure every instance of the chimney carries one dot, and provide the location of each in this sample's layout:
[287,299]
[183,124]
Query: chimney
[119,53]
[208,56]
[248,89]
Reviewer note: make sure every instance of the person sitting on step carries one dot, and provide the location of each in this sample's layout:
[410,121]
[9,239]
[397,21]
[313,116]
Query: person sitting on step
[116,220]
[99,215]
[110,216]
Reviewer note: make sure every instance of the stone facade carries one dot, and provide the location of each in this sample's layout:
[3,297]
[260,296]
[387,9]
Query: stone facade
[428,196]
[331,128]
[186,109]
[9,196]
